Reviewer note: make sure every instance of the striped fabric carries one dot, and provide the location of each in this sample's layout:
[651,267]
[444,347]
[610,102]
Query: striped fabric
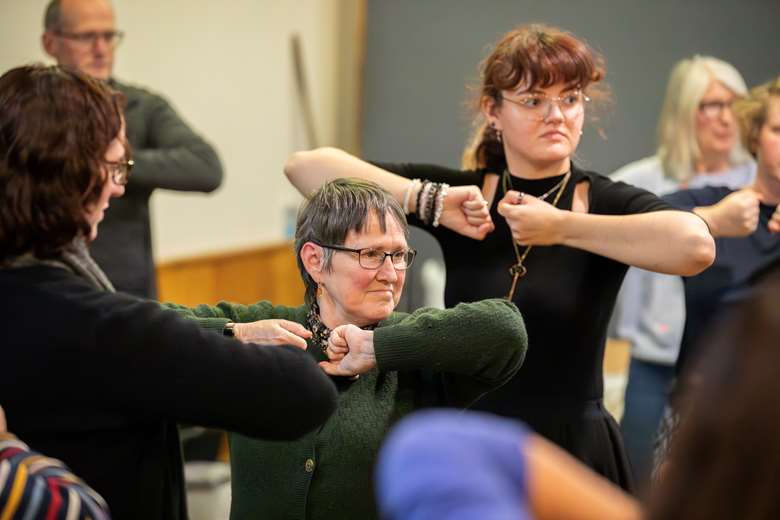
[36,487]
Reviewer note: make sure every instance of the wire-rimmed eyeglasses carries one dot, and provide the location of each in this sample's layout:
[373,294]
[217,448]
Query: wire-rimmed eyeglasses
[539,106]
[370,258]
[120,171]
[88,39]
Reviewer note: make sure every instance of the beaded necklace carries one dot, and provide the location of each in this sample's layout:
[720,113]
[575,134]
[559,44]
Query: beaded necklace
[320,333]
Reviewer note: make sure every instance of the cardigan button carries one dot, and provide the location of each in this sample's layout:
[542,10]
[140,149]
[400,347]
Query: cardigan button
[309,465]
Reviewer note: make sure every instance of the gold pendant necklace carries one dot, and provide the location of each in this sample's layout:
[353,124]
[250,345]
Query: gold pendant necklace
[519,270]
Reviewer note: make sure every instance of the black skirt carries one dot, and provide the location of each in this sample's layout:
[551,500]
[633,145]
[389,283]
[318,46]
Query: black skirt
[587,431]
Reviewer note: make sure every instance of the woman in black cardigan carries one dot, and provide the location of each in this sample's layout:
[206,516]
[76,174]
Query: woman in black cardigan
[95,378]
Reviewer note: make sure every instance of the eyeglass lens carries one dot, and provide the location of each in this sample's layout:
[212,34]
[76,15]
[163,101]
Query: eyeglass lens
[373,258]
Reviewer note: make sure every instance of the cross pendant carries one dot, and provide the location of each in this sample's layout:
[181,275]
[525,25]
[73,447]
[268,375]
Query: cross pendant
[517,271]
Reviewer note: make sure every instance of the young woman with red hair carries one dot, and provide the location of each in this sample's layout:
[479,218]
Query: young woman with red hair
[522,221]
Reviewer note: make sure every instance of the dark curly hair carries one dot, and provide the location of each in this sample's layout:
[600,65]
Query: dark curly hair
[55,127]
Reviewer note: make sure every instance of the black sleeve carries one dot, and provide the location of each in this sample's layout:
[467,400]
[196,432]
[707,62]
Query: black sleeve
[433,173]
[173,156]
[689,199]
[618,198]
[152,362]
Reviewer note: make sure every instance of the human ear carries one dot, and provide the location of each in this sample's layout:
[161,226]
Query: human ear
[490,110]
[48,44]
[313,259]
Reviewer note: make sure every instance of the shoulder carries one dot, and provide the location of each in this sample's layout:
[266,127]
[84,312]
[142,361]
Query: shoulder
[645,173]
[138,96]
[610,197]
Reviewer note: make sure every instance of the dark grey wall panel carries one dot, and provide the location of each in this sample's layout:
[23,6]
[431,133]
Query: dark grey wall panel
[421,54]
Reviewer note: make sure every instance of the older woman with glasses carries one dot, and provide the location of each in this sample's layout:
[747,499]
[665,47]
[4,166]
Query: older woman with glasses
[96,378]
[352,253]
[523,222]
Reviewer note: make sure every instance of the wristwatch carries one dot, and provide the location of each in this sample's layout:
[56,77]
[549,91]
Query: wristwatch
[229,330]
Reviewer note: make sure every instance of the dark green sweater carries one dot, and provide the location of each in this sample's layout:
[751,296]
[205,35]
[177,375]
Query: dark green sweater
[431,357]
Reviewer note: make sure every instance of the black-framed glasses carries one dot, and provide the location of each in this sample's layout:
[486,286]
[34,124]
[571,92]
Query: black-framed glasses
[89,38]
[370,258]
[120,171]
[714,109]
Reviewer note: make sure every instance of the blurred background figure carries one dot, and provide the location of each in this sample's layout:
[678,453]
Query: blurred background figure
[745,222]
[168,154]
[724,459]
[475,466]
[698,145]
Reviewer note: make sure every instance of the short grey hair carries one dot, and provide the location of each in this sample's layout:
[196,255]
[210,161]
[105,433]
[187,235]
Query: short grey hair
[335,209]
[52,19]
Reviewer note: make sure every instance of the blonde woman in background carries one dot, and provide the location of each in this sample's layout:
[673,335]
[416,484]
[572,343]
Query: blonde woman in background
[698,145]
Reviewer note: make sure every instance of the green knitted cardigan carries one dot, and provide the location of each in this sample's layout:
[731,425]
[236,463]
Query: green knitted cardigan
[431,357]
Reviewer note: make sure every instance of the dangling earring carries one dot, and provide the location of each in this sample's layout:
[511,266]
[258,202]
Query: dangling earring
[319,290]
[498,133]
[580,132]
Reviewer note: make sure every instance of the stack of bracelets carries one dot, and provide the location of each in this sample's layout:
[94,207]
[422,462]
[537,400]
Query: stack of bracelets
[430,200]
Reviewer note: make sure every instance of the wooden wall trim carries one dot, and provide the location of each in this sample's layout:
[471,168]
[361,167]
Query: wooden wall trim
[267,272]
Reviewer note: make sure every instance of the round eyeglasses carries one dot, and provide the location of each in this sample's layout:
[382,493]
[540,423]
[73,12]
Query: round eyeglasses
[370,258]
[88,39]
[539,106]
[120,171]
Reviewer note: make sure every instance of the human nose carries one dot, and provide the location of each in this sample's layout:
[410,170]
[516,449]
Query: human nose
[117,190]
[552,109]
[726,114]
[387,270]
[101,44]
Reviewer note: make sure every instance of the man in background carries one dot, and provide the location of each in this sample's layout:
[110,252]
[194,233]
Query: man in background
[168,154]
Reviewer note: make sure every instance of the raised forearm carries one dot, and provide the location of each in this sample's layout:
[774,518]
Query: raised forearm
[671,242]
[309,170]
[485,340]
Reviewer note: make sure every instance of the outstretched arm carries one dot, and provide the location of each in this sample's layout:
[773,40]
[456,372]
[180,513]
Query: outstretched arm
[735,215]
[465,209]
[671,242]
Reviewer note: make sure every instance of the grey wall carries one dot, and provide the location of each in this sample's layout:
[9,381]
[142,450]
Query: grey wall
[422,53]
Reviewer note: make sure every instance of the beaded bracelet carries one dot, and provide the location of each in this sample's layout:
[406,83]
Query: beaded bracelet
[422,205]
[420,192]
[440,196]
[430,202]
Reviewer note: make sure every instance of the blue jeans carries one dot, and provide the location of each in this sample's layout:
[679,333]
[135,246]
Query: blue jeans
[646,396]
